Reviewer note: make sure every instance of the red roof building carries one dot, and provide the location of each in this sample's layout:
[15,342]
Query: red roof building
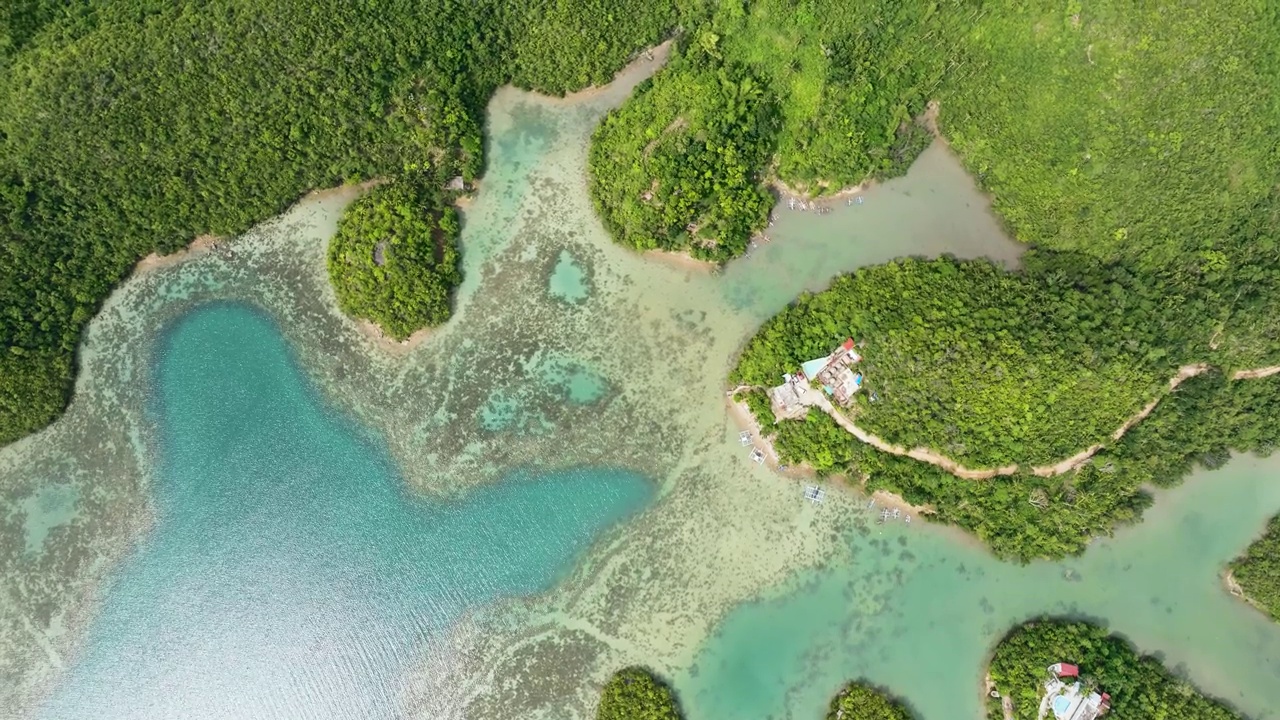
[1064,670]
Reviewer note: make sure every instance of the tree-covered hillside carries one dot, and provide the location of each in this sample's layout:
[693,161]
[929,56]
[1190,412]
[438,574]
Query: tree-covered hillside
[989,367]
[132,126]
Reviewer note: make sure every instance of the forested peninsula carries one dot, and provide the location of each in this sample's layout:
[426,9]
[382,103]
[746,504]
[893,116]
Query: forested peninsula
[1111,144]
[1257,572]
[1136,687]
[131,127]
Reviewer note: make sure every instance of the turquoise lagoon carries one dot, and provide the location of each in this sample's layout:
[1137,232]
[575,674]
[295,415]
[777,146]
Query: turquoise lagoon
[290,574]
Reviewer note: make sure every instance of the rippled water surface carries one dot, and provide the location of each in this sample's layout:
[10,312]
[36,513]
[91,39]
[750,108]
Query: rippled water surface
[253,510]
[290,575]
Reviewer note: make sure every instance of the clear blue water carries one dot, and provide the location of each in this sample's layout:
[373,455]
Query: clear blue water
[289,574]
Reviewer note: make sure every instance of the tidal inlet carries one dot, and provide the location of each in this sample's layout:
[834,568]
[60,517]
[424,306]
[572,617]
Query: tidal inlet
[255,509]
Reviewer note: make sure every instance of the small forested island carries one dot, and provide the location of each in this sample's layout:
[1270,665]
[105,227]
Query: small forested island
[394,260]
[1257,572]
[1077,671]
[860,701]
[636,694]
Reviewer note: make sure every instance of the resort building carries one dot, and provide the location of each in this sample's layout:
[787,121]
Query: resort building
[833,374]
[787,399]
[1065,699]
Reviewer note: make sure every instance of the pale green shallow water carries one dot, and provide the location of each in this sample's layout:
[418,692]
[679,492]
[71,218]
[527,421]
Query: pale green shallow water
[916,612]
[369,550]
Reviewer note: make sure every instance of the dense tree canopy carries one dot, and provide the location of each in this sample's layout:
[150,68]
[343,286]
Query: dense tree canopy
[672,174]
[1258,570]
[395,258]
[132,126]
[989,367]
[818,94]
[635,694]
[1140,687]
[1110,140]
[1142,133]
[860,701]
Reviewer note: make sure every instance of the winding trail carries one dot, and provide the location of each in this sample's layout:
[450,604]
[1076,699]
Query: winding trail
[814,398]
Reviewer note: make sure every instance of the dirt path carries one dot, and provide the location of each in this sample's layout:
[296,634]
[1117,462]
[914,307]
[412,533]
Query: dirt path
[1255,373]
[1185,373]
[814,398]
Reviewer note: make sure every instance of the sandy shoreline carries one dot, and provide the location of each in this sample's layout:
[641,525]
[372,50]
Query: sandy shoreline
[682,260]
[371,332]
[643,64]
[741,414]
[1233,587]
[202,245]
[786,192]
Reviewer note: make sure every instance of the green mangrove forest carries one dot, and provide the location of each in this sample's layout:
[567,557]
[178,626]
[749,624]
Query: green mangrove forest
[133,126]
[1137,150]
[1139,687]
[1257,572]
